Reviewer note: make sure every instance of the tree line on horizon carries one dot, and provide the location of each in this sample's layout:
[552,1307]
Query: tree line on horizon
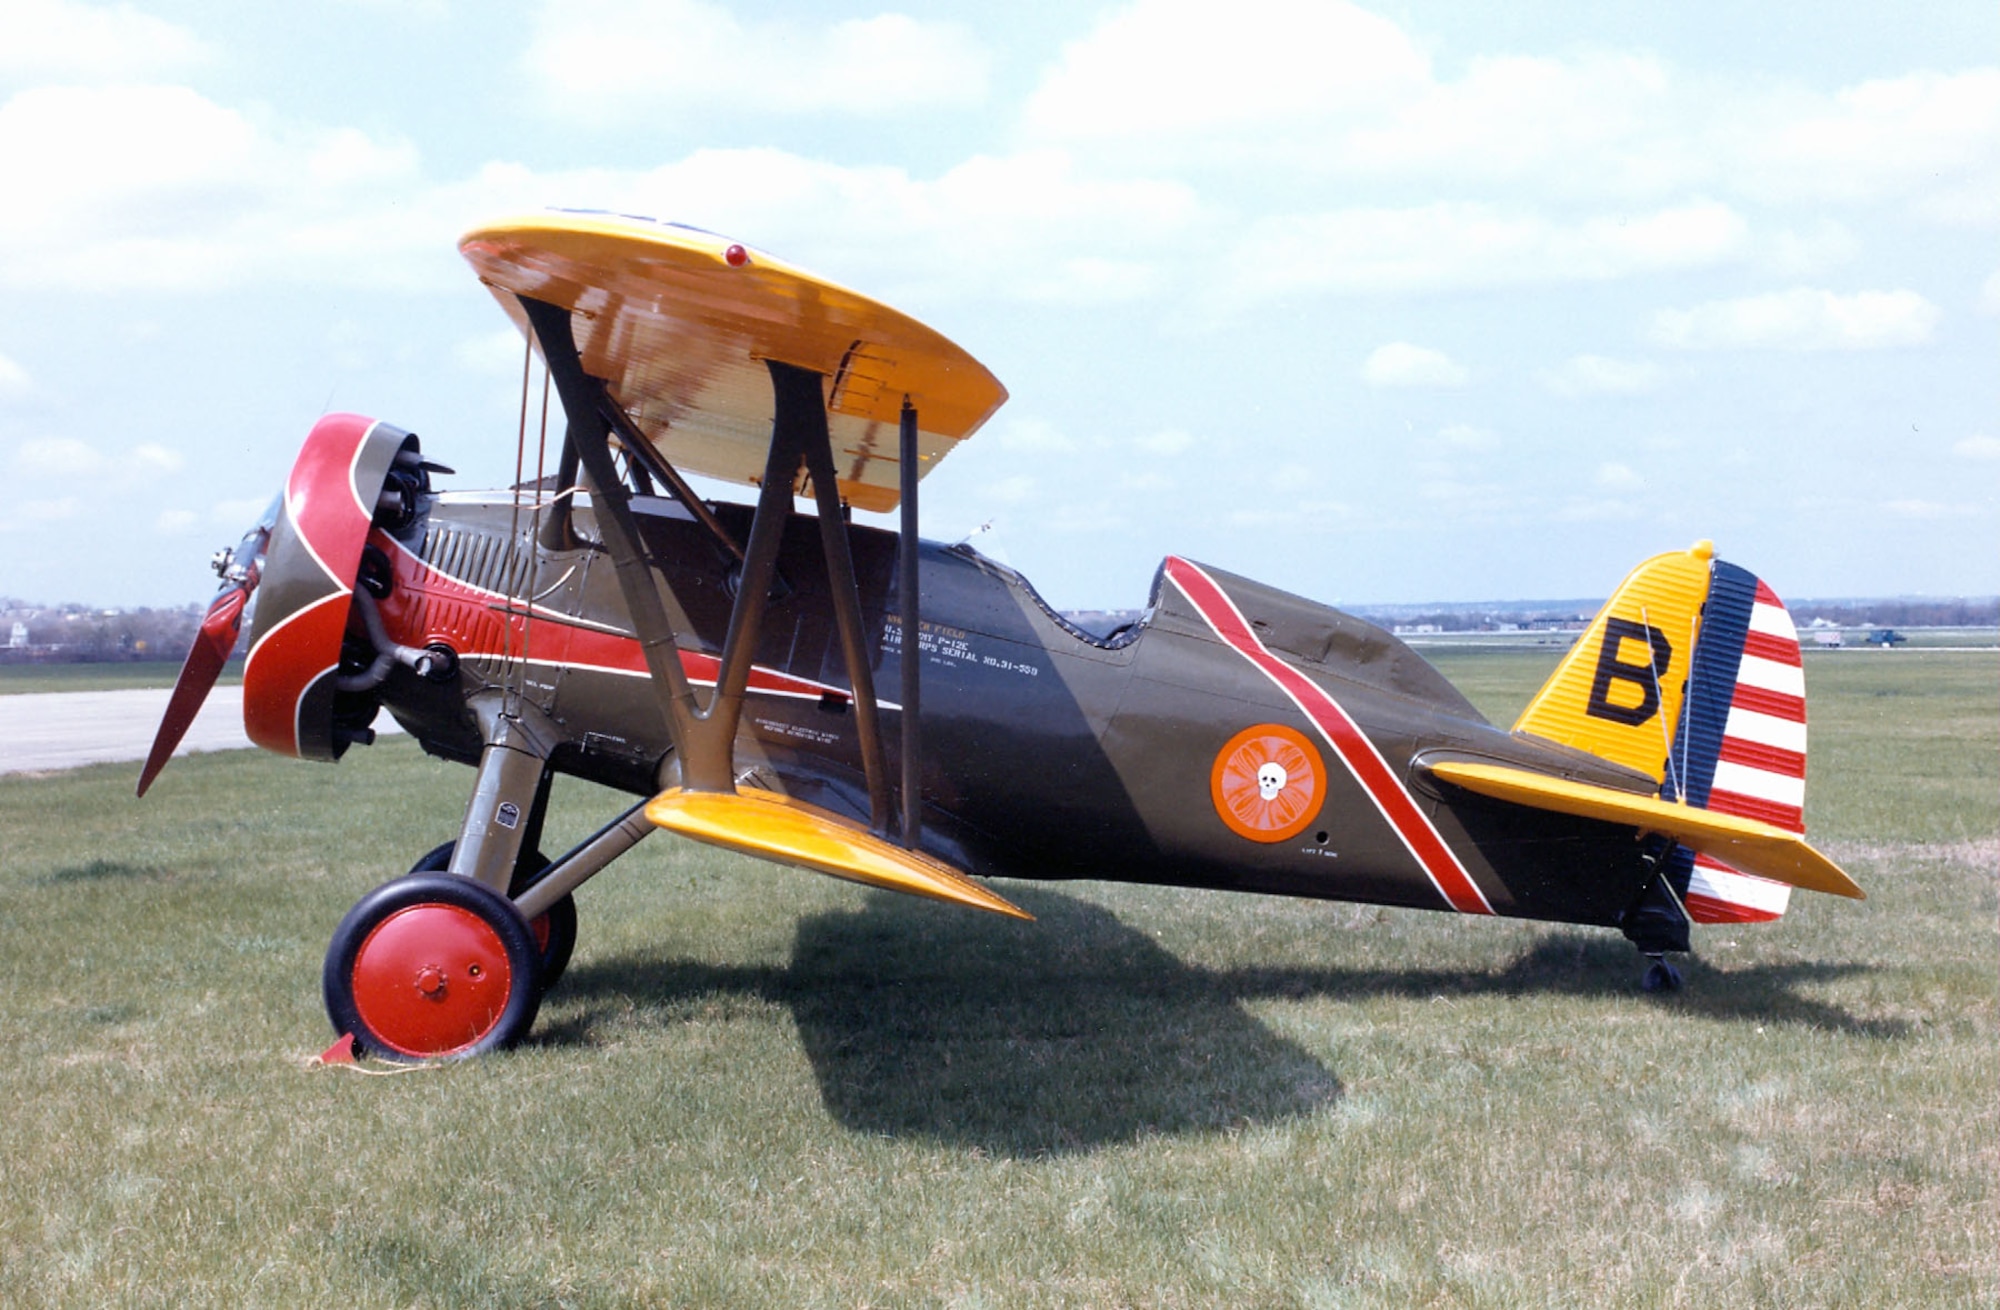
[80,634]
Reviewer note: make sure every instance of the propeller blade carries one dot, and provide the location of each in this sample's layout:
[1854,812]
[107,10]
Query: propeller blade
[204,665]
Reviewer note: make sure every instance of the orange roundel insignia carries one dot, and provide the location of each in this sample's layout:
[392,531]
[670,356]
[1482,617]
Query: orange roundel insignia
[1267,783]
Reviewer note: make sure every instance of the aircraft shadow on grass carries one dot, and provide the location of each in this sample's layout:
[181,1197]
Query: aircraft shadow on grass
[1572,962]
[1078,1031]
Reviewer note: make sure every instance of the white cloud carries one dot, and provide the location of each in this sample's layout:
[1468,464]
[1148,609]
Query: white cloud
[51,511]
[346,157]
[1989,294]
[1803,318]
[238,514]
[175,522]
[1454,246]
[1165,69]
[159,187]
[1977,447]
[1912,507]
[1596,375]
[13,378]
[1031,226]
[55,457]
[496,354]
[1598,509]
[1400,364]
[606,60]
[1326,90]
[49,39]
[90,157]
[1614,476]
[66,458]
[1012,490]
[150,458]
[1927,131]
[1795,252]
[1467,438]
[1031,436]
[1593,124]
[1166,443]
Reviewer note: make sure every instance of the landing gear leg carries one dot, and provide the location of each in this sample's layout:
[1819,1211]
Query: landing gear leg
[503,802]
[1657,922]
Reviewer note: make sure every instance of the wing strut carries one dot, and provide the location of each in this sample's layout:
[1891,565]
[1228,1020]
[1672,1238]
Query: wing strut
[650,459]
[911,660]
[704,738]
[802,408]
[588,437]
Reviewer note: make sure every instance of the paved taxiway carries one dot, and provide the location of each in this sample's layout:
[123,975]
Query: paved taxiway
[44,731]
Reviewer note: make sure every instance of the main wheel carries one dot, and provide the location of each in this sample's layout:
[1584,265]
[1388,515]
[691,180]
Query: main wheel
[554,928]
[432,967]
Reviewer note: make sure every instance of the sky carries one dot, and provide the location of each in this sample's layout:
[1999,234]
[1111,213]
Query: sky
[1419,300]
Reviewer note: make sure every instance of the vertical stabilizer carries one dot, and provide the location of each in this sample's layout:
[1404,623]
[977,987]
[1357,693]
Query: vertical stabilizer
[1619,691]
[1691,674]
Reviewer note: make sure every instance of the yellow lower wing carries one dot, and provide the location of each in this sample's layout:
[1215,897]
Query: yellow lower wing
[775,827]
[1744,844]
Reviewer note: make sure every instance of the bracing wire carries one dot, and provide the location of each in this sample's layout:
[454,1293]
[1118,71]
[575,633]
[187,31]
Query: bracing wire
[1659,693]
[535,519]
[1687,698]
[516,671]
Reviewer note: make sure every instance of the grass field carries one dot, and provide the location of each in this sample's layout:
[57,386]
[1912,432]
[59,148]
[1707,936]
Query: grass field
[760,1088]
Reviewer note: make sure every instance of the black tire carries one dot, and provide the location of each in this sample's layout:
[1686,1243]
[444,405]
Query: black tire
[554,928]
[1661,977]
[432,967]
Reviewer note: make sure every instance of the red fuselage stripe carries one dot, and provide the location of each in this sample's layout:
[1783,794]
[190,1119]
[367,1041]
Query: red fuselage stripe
[557,640]
[1358,753]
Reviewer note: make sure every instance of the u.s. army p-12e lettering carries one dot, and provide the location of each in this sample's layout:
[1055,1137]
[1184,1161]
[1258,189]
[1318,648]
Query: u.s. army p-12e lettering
[910,715]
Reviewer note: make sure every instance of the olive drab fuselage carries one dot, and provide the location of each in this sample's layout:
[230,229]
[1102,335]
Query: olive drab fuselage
[1048,751]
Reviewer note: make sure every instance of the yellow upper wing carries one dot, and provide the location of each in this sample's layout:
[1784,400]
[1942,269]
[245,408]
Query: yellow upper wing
[678,324]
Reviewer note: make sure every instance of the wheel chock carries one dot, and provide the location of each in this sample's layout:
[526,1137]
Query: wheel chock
[341,1052]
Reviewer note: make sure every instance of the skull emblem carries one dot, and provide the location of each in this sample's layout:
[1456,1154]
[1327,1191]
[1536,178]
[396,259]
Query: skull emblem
[1270,780]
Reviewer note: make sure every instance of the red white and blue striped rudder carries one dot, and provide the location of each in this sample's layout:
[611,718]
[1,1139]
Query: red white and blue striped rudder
[1741,745]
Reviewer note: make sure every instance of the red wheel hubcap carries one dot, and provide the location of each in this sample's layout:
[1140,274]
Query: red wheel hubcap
[431,980]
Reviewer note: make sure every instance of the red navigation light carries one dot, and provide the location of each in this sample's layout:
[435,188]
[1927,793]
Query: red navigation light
[736,256]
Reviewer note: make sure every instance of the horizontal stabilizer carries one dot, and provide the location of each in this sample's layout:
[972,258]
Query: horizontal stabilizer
[1747,844]
[771,826]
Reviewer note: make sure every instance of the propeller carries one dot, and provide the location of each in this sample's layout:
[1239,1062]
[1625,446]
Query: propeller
[239,569]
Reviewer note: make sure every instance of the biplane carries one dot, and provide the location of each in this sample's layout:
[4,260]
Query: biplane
[866,704]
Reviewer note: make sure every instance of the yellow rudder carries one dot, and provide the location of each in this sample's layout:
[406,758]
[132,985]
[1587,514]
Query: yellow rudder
[1618,692]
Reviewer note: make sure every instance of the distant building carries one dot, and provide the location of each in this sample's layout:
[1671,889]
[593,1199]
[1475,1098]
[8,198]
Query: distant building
[18,639]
